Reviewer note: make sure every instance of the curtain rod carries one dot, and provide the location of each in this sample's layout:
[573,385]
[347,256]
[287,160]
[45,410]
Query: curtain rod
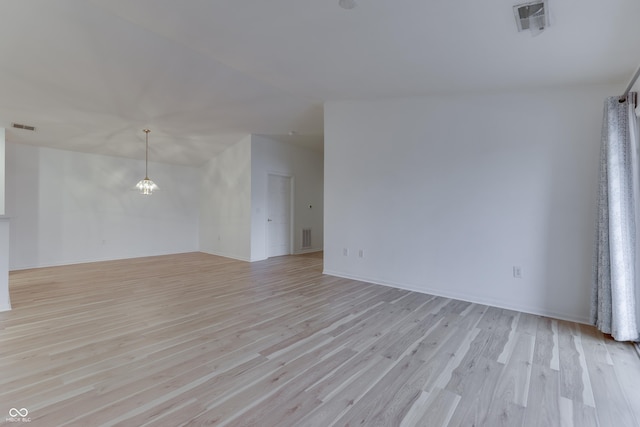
[623,97]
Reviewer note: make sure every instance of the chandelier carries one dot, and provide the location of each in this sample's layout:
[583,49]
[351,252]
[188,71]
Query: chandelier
[146,186]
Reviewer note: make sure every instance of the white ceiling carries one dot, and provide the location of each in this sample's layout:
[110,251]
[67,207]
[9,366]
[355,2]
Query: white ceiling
[201,74]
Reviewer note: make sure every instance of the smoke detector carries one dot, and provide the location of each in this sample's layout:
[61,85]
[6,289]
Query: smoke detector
[532,16]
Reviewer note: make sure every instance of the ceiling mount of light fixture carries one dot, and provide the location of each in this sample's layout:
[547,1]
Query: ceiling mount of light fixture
[146,186]
[347,4]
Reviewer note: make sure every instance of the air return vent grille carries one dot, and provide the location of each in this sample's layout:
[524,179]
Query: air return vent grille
[306,238]
[25,127]
[533,16]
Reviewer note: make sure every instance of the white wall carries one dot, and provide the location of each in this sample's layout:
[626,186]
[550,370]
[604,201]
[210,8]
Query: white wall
[225,203]
[2,171]
[5,303]
[445,195]
[306,167]
[67,207]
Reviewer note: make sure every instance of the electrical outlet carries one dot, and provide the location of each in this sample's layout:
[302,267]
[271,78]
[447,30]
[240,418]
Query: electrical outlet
[517,272]
[361,253]
[345,252]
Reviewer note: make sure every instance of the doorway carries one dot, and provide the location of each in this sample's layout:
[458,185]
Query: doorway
[278,215]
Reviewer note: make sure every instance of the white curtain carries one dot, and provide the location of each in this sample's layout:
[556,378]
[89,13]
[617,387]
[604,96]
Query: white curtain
[613,307]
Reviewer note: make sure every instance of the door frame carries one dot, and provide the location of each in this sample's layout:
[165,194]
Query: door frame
[291,210]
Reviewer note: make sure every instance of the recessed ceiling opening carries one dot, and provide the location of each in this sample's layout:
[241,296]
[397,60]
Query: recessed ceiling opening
[532,16]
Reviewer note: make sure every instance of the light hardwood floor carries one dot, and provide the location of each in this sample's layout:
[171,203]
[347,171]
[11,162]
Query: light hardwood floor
[195,339]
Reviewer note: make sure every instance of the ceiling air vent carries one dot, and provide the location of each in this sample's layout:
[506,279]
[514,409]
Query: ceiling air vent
[533,16]
[25,127]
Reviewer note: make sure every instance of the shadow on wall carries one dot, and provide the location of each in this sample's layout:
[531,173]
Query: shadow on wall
[71,207]
[570,232]
[23,204]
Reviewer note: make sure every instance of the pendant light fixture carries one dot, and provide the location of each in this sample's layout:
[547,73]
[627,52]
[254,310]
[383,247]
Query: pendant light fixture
[146,186]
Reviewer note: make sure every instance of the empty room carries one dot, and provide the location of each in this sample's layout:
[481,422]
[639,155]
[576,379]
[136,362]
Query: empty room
[319,213]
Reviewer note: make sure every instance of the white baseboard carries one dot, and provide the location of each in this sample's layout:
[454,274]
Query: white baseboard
[90,260]
[463,297]
[231,256]
[307,251]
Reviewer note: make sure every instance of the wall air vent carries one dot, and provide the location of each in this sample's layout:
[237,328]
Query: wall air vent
[533,16]
[306,238]
[25,127]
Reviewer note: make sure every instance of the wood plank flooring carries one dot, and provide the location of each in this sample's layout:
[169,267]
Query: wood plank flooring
[195,339]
